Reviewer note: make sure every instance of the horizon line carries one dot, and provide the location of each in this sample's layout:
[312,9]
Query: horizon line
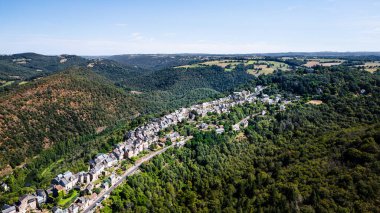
[193,53]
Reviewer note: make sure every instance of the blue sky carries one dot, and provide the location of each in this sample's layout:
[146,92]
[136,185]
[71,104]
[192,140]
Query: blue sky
[101,27]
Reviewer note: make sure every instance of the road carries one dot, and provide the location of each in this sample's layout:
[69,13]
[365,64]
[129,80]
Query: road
[129,172]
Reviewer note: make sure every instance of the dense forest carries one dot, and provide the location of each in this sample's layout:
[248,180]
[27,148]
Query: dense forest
[56,108]
[27,66]
[71,115]
[169,89]
[78,101]
[156,61]
[309,158]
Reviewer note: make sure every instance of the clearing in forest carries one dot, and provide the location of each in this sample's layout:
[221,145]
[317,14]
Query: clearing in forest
[315,102]
[253,66]
[323,62]
[372,66]
[261,67]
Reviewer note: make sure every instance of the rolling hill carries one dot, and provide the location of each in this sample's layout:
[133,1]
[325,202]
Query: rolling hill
[68,116]
[31,65]
[67,104]
[79,101]
[156,61]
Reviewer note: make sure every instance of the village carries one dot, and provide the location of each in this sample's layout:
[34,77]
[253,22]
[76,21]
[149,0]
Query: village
[83,190]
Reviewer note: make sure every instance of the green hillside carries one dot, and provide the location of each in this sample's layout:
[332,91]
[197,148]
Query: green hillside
[31,65]
[80,100]
[309,158]
[156,61]
[71,103]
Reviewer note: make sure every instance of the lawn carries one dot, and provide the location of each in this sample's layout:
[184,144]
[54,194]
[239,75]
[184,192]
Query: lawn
[96,182]
[65,200]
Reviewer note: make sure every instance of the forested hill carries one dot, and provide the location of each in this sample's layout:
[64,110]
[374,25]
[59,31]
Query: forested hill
[318,156]
[156,61]
[25,66]
[74,102]
[80,100]
[175,79]
[163,90]
[324,83]
[57,117]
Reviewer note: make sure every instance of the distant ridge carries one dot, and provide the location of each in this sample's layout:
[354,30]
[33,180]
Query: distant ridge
[317,53]
[321,54]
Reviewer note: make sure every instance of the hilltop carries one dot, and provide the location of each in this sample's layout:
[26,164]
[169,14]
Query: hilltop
[25,66]
[74,102]
[156,61]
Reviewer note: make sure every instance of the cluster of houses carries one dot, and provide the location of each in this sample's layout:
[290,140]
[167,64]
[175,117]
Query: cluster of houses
[27,203]
[66,180]
[136,141]
[144,136]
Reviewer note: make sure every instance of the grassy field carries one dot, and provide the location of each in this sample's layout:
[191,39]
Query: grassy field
[223,63]
[260,67]
[228,65]
[371,66]
[323,62]
[23,82]
[66,200]
[250,62]
[315,102]
[188,66]
[7,83]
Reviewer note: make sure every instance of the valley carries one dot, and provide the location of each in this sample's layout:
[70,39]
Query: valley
[94,108]
[139,141]
[189,106]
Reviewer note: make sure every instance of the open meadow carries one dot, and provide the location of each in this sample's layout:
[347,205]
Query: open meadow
[323,62]
[371,66]
[253,66]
